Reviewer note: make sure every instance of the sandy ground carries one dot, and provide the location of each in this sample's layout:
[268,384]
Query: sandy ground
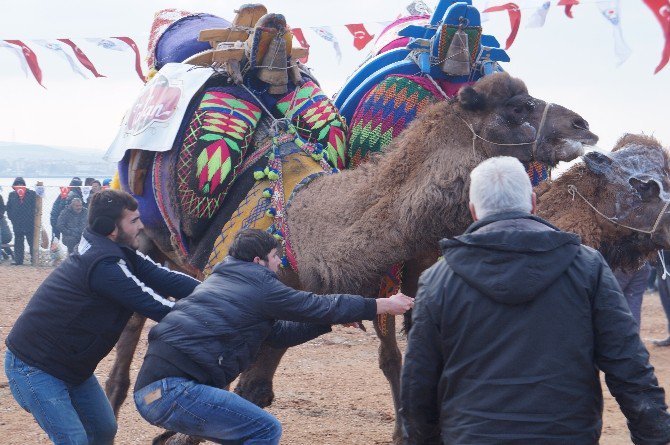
[328,391]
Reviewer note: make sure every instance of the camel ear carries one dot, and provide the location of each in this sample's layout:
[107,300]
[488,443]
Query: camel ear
[470,99]
[598,163]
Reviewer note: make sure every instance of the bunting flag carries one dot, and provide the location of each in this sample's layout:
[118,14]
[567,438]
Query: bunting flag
[661,9]
[539,16]
[418,7]
[361,35]
[58,49]
[85,192]
[610,10]
[514,19]
[79,54]
[138,59]
[19,55]
[300,37]
[30,59]
[568,6]
[325,33]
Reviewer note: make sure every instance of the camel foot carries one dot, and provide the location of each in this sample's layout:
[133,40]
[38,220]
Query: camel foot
[258,392]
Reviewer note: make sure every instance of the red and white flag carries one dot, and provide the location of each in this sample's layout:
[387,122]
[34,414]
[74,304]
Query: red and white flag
[122,44]
[661,9]
[300,37]
[58,49]
[361,35]
[83,59]
[610,10]
[30,59]
[568,6]
[539,16]
[514,19]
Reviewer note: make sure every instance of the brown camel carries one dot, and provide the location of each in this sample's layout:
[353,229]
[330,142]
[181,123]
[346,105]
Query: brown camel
[617,202]
[397,206]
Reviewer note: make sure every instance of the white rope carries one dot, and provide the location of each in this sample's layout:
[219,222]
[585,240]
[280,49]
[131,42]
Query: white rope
[661,256]
[573,191]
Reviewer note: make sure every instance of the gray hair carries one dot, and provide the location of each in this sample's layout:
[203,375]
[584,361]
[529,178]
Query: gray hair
[500,185]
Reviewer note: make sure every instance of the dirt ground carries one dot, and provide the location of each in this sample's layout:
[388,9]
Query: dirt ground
[328,391]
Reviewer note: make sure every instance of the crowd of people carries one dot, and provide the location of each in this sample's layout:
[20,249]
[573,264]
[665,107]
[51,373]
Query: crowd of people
[508,336]
[68,216]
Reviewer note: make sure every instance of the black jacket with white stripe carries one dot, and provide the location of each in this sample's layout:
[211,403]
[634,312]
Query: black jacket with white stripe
[78,313]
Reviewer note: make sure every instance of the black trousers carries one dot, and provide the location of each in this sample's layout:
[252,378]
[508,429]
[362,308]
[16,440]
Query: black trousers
[19,234]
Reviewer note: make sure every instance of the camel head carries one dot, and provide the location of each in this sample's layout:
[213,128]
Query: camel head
[636,191]
[500,111]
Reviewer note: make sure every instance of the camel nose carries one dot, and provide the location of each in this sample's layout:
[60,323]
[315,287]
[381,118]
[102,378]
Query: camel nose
[580,124]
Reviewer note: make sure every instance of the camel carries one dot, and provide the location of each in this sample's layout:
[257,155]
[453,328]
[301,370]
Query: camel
[400,204]
[618,202]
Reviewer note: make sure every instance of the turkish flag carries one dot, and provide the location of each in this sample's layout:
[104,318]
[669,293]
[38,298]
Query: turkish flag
[31,60]
[20,190]
[568,6]
[661,9]
[79,54]
[514,19]
[300,37]
[361,36]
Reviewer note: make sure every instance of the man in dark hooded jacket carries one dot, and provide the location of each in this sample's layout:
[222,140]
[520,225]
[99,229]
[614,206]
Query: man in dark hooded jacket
[511,329]
[21,212]
[62,202]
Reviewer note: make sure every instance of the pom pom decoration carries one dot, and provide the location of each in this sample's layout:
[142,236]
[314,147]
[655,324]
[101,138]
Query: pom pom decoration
[284,262]
[266,171]
[267,193]
[271,212]
[273,175]
[259,174]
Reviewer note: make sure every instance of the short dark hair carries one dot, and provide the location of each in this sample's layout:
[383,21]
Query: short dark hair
[251,243]
[106,209]
[95,181]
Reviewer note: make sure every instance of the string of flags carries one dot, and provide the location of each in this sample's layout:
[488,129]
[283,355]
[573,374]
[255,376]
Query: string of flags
[361,37]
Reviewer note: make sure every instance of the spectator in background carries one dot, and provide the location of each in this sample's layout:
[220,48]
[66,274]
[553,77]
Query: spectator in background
[21,212]
[61,202]
[96,186]
[75,190]
[5,233]
[72,222]
[106,183]
[633,284]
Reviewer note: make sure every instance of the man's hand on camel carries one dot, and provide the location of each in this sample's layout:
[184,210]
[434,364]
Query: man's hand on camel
[396,304]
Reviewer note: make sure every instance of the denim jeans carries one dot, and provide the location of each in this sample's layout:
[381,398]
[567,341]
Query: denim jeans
[633,285]
[203,411]
[69,414]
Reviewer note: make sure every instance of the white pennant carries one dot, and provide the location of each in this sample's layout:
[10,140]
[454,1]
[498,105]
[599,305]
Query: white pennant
[610,10]
[539,16]
[18,52]
[85,192]
[325,33]
[58,48]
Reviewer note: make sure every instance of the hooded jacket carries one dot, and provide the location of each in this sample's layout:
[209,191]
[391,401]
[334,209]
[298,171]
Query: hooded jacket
[21,212]
[508,337]
[215,333]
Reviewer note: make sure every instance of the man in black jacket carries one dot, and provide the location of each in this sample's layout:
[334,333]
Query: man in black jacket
[21,212]
[213,335]
[511,329]
[77,315]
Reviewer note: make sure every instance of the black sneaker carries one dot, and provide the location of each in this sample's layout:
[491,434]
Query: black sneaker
[662,343]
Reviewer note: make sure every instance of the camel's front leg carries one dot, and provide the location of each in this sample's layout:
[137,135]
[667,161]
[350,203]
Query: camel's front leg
[390,362]
[255,384]
[118,381]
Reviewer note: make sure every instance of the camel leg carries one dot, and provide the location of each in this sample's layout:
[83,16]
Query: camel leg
[255,384]
[390,362]
[118,381]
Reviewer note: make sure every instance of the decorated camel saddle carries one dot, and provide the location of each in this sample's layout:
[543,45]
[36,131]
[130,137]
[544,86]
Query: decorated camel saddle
[417,61]
[228,126]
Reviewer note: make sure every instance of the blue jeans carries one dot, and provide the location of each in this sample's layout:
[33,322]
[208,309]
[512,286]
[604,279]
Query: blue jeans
[203,411]
[633,285]
[69,414]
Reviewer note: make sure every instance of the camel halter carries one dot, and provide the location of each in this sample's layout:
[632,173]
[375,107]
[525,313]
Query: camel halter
[475,136]
[573,191]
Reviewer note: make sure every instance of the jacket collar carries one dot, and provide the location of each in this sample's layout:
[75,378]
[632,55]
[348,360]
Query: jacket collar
[506,216]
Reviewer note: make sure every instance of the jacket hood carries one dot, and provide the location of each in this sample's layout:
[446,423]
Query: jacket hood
[231,265]
[19,181]
[511,257]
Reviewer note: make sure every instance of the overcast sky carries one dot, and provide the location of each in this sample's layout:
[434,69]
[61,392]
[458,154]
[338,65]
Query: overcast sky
[570,62]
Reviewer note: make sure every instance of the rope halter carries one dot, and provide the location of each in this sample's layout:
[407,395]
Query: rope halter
[573,191]
[475,136]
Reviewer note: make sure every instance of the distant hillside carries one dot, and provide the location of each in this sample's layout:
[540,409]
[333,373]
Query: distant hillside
[34,160]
